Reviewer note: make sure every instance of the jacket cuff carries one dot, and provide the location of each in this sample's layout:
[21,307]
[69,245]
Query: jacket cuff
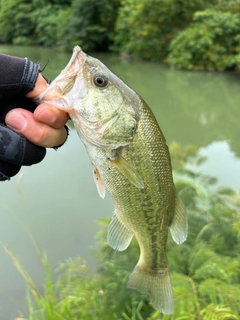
[17,76]
[30,74]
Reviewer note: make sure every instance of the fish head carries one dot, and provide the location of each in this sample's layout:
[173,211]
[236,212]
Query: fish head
[104,109]
[109,109]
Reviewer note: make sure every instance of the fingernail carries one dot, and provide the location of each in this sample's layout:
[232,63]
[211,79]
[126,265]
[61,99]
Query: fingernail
[16,120]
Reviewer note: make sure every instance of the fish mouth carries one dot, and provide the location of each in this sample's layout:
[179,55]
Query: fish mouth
[75,64]
[79,54]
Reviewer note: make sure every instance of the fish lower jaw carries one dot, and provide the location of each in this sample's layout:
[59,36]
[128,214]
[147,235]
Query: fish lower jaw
[62,103]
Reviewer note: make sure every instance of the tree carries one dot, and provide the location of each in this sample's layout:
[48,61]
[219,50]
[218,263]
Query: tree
[88,23]
[145,28]
[15,22]
[210,43]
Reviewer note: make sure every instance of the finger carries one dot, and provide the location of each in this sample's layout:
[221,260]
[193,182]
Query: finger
[51,116]
[40,85]
[41,134]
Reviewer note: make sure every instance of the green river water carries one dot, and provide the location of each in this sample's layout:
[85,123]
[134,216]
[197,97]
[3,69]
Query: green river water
[57,200]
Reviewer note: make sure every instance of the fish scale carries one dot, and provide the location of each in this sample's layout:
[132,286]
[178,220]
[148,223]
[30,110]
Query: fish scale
[131,160]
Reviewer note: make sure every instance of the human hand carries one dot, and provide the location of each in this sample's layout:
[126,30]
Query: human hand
[34,129]
[45,126]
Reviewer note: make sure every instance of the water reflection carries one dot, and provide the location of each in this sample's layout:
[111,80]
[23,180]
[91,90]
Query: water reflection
[220,162]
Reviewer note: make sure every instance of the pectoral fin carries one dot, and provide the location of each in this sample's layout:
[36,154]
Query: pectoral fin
[179,225]
[98,181]
[128,171]
[119,237]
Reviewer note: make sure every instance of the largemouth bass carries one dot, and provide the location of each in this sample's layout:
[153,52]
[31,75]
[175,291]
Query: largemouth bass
[130,159]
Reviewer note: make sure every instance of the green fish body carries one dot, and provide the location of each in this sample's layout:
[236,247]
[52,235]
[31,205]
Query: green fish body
[131,160]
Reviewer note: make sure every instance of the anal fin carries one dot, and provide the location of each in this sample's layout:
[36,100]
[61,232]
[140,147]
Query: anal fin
[119,237]
[179,225]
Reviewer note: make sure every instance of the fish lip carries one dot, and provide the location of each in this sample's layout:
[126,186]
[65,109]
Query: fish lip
[79,54]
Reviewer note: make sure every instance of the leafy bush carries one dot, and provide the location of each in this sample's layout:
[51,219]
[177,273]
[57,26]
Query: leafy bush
[146,27]
[211,42]
[187,34]
[45,20]
[15,22]
[88,23]
[29,23]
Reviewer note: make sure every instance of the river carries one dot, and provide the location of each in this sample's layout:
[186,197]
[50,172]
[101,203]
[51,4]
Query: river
[57,200]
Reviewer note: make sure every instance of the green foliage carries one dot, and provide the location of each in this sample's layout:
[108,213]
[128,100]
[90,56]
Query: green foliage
[89,23]
[205,270]
[15,22]
[210,43]
[146,27]
[46,22]
[215,312]
[187,34]
[122,36]
[29,23]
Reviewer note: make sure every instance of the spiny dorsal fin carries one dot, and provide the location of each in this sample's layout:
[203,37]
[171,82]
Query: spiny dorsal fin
[179,225]
[119,237]
[98,181]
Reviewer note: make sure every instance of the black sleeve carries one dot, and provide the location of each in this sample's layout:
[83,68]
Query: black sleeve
[17,76]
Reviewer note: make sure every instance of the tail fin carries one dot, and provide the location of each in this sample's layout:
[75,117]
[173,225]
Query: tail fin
[157,285]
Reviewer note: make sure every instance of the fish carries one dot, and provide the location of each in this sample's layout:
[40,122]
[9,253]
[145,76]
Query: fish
[131,160]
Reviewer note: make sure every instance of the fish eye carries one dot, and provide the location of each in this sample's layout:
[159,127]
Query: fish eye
[100,80]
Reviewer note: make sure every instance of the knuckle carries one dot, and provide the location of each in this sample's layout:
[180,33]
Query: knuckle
[41,136]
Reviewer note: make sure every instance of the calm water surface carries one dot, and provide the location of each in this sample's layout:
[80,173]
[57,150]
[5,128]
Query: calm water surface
[57,200]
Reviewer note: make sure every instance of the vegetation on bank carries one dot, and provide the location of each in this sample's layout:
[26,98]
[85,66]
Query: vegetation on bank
[205,270]
[187,34]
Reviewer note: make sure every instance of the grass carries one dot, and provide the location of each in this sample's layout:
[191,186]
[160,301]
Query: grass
[205,267]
